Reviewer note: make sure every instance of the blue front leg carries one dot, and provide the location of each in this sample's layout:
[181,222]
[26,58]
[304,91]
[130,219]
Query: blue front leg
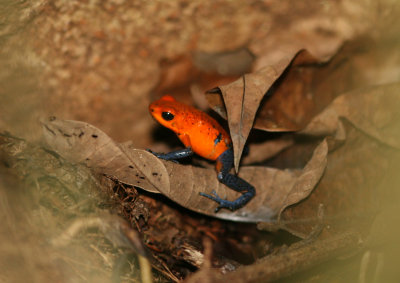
[174,155]
[225,164]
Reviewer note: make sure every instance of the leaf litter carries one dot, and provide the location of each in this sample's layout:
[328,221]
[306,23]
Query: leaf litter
[285,201]
[257,100]
[292,206]
[276,189]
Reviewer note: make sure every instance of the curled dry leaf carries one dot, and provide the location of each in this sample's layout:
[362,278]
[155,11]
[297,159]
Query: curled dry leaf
[242,99]
[310,176]
[287,110]
[374,110]
[276,189]
[83,143]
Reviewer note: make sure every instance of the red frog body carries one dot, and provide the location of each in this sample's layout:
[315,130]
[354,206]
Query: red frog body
[203,135]
[193,127]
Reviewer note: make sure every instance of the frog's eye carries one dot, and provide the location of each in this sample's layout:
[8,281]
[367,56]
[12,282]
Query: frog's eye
[167,116]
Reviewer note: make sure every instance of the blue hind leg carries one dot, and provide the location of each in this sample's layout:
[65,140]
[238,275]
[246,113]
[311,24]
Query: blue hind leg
[224,165]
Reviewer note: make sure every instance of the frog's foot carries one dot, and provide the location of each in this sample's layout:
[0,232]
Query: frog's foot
[223,203]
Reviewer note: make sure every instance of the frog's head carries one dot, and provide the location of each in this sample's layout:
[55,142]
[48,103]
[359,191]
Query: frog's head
[165,111]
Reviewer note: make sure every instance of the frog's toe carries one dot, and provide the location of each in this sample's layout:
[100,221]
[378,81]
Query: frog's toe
[214,196]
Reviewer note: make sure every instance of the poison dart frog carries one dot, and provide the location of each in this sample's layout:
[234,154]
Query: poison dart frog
[201,134]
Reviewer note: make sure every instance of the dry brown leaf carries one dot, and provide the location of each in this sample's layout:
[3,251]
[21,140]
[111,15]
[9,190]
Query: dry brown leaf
[287,110]
[374,110]
[242,99]
[83,143]
[276,189]
[312,172]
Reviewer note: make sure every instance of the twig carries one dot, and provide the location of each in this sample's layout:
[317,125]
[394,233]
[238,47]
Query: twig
[292,260]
